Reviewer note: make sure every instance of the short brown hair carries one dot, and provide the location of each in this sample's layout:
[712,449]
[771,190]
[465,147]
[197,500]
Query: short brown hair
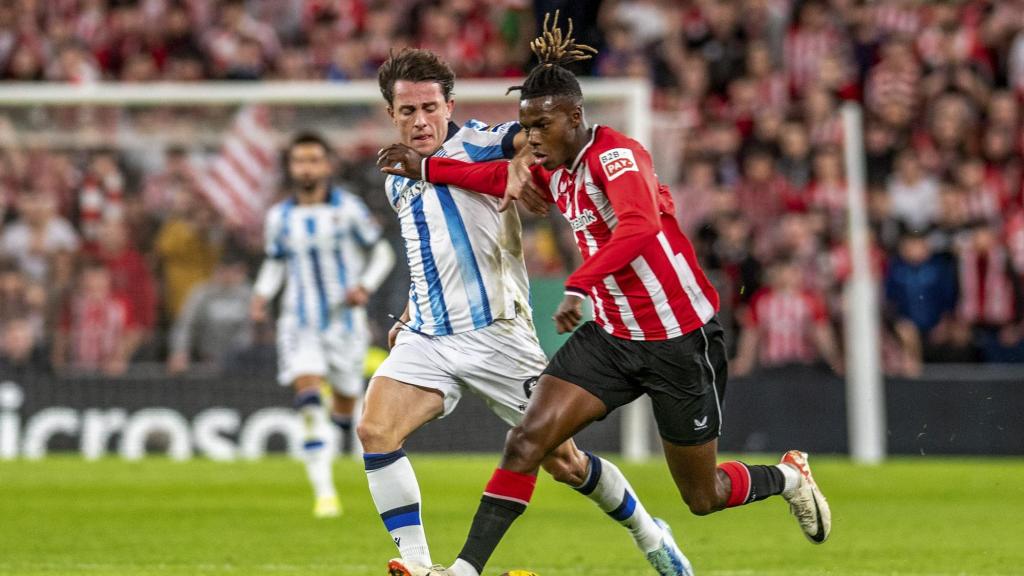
[415,65]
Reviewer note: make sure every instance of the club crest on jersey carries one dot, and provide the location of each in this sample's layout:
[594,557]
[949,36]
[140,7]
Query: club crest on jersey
[586,218]
[617,162]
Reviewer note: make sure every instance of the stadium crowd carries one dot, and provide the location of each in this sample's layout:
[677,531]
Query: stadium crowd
[104,261]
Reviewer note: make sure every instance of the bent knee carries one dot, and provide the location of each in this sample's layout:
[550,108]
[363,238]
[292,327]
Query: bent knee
[377,437]
[523,448]
[701,504]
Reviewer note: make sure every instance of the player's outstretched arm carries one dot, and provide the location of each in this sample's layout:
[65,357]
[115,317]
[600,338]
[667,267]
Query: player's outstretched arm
[492,178]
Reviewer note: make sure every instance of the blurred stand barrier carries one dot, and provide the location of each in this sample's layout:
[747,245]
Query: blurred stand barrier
[952,410]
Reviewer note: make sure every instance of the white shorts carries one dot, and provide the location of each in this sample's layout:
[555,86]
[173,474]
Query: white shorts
[496,362]
[337,354]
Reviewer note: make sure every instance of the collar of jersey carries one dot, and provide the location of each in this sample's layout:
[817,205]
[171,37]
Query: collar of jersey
[453,128]
[579,157]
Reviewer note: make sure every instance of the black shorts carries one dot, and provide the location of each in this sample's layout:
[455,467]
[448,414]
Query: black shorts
[684,376]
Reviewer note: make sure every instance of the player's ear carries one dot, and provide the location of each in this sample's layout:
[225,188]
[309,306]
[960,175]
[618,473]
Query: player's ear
[450,105]
[576,117]
[391,112]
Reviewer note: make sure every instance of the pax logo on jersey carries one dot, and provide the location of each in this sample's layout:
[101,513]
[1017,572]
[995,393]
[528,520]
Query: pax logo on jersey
[617,162]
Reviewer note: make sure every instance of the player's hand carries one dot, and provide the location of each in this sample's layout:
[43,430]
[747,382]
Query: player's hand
[400,160]
[258,310]
[520,186]
[357,296]
[569,314]
[393,334]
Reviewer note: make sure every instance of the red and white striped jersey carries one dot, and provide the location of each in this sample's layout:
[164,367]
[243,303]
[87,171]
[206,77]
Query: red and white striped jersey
[639,269]
[785,323]
[95,330]
[804,50]
[1015,241]
[989,293]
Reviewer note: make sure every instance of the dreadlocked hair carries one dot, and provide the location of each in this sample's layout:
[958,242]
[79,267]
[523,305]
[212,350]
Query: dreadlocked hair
[554,51]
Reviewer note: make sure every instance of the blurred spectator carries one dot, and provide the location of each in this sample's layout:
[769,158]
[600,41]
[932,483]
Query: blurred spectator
[892,85]
[42,242]
[786,324]
[162,186]
[22,300]
[20,352]
[914,194]
[808,43]
[763,194]
[130,278]
[101,195]
[921,290]
[991,296]
[214,324]
[95,334]
[827,191]
[239,43]
[188,249]
[794,161]
[985,196]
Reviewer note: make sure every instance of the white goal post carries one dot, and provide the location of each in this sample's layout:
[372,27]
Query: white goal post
[630,99]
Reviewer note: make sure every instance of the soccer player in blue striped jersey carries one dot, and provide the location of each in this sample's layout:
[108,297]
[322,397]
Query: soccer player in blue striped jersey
[325,248]
[468,323]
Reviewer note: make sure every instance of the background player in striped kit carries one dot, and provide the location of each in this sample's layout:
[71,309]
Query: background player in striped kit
[655,331]
[325,248]
[468,324]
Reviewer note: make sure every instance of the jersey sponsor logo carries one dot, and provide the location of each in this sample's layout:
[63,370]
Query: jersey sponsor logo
[586,218]
[617,162]
[409,193]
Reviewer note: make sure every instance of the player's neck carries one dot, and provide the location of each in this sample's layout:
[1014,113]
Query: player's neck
[317,195]
[580,138]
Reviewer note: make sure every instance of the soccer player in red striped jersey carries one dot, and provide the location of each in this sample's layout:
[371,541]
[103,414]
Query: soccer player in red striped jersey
[655,331]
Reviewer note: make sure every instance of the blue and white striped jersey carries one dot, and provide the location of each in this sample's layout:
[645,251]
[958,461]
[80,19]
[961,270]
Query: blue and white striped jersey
[465,258]
[324,249]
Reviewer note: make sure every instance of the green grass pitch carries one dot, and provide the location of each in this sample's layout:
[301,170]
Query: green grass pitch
[910,516]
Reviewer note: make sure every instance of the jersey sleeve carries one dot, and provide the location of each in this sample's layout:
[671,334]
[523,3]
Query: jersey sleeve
[273,234]
[486,177]
[483,143]
[366,228]
[625,173]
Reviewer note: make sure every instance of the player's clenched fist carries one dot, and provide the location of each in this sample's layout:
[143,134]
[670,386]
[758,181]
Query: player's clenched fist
[400,160]
[568,314]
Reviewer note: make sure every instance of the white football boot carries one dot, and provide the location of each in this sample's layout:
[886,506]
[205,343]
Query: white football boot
[806,501]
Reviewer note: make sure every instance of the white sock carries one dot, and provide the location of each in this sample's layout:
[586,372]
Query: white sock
[792,479]
[610,490]
[397,497]
[463,568]
[317,451]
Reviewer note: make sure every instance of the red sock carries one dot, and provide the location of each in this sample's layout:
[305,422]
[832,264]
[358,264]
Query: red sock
[751,483]
[511,486]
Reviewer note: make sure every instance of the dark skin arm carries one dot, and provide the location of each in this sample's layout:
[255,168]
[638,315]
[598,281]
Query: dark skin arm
[401,160]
